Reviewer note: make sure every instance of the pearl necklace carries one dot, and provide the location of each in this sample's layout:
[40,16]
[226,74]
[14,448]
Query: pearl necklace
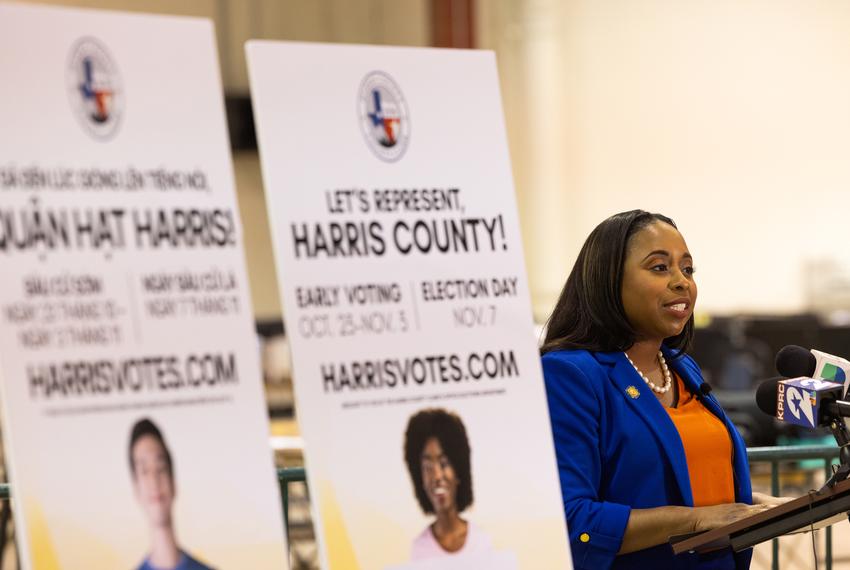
[668,379]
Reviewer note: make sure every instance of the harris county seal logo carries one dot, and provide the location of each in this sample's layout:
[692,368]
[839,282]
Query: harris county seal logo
[94,88]
[384,118]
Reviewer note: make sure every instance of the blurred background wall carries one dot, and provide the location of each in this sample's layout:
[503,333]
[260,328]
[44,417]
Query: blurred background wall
[730,117]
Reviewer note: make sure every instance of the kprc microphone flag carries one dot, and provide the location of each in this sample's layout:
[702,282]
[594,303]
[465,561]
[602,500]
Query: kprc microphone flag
[801,401]
[417,376]
[133,409]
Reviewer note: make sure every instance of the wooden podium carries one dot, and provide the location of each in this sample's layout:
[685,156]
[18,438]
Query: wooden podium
[794,515]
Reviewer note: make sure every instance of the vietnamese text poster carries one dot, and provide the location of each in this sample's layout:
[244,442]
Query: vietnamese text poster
[417,377]
[134,419]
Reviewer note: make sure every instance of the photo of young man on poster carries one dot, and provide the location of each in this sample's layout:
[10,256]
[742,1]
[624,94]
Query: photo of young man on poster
[152,470]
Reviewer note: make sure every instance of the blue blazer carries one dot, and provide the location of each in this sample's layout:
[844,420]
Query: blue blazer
[618,449]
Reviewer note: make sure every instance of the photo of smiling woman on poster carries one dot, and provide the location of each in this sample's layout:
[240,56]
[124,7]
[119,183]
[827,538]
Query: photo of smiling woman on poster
[153,483]
[437,453]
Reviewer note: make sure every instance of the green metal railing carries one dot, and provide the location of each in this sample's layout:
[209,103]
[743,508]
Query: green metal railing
[785,453]
[285,476]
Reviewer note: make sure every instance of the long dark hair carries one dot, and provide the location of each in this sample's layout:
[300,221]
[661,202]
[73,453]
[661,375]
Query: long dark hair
[589,313]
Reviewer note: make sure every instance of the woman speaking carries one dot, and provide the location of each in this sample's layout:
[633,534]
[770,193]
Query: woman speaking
[643,453]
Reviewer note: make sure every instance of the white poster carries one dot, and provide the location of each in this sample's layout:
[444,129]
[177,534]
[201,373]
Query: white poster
[417,377]
[133,413]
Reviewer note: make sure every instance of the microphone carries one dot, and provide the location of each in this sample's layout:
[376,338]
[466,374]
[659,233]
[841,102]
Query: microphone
[704,391]
[794,361]
[766,393]
[807,402]
[812,402]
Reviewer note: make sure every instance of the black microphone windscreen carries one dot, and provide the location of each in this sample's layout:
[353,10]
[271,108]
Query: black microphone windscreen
[766,396]
[793,361]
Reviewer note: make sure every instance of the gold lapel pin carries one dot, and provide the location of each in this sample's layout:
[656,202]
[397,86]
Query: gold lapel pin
[633,392]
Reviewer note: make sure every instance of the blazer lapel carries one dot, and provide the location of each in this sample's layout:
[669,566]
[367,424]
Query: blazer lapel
[652,412]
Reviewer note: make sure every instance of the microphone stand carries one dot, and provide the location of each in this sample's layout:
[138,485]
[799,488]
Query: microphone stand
[841,471]
[839,431]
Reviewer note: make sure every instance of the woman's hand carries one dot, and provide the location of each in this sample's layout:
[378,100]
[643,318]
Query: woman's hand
[707,518]
[762,499]
[650,527]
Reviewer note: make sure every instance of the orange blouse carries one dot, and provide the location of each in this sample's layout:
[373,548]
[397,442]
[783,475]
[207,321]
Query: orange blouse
[708,450]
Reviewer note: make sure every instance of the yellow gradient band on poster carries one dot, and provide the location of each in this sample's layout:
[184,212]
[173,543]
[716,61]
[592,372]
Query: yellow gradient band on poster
[340,551]
[41,545]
